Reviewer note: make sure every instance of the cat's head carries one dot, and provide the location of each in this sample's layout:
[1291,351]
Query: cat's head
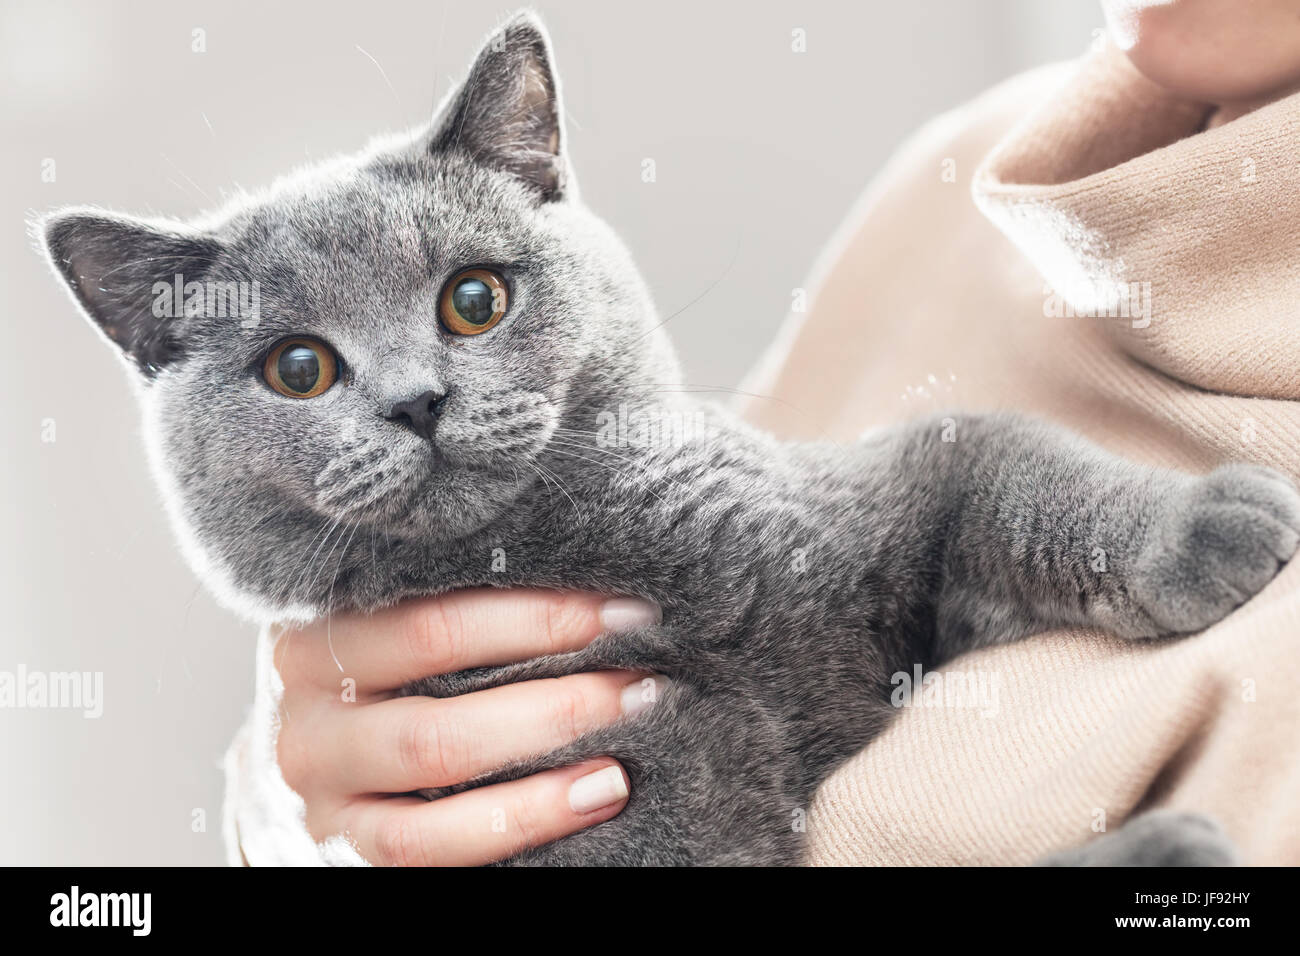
[386,342]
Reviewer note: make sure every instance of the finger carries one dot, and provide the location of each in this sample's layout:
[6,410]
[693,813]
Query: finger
[489,823]
[474,628]
[410,743]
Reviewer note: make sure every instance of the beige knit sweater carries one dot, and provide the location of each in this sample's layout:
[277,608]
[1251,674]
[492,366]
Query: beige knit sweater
[1091,182]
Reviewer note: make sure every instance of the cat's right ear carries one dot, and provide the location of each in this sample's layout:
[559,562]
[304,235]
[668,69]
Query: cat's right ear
[508,115]
[112,265]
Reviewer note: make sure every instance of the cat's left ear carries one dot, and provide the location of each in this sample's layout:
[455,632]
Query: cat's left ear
[507,114]
[115,265]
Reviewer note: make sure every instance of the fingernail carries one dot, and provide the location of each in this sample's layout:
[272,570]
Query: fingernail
[597,790]
[620,615]
[642,694]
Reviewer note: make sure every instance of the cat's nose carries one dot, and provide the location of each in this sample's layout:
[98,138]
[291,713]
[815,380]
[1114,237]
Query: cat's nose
[420,414]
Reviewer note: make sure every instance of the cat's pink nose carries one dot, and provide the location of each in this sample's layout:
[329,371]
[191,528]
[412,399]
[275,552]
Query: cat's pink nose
[420,414]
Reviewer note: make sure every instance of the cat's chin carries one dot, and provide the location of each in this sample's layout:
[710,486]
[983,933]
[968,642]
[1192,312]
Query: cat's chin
[450,505]
[312,569]
[269,594]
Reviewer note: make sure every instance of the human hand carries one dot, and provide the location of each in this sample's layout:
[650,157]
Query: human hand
[354,750]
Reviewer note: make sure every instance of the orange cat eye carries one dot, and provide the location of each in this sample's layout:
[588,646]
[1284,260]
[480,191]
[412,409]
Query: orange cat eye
[473,301]
[300,368]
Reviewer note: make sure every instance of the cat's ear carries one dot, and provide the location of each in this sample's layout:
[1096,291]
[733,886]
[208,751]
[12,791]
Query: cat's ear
[508,115]
[112,265]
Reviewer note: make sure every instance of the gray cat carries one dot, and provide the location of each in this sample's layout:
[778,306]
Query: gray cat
[435,392]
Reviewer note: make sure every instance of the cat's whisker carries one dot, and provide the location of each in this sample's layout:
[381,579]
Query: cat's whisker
[735,256]
[545,481]
[311,586]
[542,470]
[382,72]
[621,474]
[302,576]
[329,601]
[515,469]
[255,523]
[374,568]
[628,461]
[324,528]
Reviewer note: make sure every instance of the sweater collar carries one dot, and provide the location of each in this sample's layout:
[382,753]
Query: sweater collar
[1182,242]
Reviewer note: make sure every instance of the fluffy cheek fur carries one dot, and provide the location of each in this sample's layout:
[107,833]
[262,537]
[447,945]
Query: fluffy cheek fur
[217,559]
[257,499]
[289,484]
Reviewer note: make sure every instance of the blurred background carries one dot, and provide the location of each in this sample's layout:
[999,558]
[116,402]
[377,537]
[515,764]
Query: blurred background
[759,153]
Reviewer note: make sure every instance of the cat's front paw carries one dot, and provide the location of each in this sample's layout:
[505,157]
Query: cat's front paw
[1215,545]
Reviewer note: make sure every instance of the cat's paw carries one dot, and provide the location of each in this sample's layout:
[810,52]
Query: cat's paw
[1215,545]
[1160,838]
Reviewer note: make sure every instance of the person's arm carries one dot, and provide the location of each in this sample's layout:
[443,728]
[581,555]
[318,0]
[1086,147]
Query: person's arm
[329,763]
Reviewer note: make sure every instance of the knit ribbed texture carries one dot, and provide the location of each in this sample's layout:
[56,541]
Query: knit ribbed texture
[1096,177]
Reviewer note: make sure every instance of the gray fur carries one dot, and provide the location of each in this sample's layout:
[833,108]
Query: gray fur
[795,579]
[1161,838]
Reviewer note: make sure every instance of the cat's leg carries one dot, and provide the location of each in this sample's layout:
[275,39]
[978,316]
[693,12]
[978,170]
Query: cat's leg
[1037,529]
[1161,838]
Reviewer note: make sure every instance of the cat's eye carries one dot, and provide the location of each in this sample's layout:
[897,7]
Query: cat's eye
[300,368]
[473,301]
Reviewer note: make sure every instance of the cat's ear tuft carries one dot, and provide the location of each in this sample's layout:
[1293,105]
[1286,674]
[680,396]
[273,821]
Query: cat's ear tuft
[507,114]
[112,263]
